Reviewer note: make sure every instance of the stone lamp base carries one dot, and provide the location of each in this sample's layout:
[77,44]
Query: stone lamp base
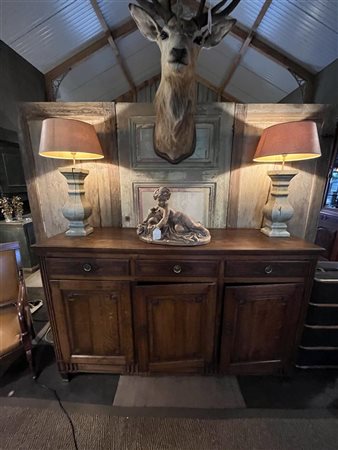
[278,210]
[77,209]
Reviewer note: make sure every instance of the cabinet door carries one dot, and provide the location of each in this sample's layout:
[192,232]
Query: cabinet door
[175,327]
[259,327]
[93,325]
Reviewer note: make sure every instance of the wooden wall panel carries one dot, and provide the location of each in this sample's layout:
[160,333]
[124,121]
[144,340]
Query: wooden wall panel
[250,184]
[207,170]
[47,188]
[227,138]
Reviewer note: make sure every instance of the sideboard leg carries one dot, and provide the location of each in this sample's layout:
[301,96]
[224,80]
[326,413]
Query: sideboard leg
[65,376]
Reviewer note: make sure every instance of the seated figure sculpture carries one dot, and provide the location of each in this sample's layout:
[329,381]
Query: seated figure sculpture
[164,225]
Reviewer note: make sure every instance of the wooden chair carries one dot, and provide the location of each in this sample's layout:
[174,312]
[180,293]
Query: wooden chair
[16,327]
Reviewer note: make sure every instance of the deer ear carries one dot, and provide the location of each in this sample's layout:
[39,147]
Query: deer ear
[145,23]
[218,31]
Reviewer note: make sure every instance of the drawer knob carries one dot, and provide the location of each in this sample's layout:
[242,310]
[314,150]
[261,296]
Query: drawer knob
[268,269]
[177,268]
[87,267]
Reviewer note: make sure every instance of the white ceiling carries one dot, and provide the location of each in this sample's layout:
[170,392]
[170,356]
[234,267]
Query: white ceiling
[48,32]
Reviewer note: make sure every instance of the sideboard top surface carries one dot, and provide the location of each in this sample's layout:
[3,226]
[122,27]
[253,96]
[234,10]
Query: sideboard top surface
[125,240]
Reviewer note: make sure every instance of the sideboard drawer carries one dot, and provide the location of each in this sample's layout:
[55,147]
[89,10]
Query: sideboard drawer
[176,268]
[86,267]
[266,269]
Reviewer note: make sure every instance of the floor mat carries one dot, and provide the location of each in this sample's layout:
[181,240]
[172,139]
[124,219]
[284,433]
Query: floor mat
[184,392]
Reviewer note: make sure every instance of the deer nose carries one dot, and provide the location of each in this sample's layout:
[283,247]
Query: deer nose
[179,53]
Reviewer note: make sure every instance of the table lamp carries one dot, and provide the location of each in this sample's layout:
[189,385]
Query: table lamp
[76,140]
[291,141]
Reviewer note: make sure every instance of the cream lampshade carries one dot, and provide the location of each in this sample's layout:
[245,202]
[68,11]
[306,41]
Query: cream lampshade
[76,140]
[292,141]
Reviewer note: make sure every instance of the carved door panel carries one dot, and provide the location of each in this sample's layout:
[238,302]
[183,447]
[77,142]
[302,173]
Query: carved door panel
[175,327]
[259,326]
[93,321]
[199,184]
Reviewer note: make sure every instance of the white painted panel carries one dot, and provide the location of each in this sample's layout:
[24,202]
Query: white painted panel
[213,65]
[257,86]
[303,30]
[53,40]
[241,93]
[135,42]
[89,68]
[213,176]
[269,70]
[230,45]
[115,11]
[104,84]
[144,64]
[204,72]
[195,201]
[26,15]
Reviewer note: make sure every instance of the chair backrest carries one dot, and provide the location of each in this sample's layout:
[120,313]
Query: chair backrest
[10,263]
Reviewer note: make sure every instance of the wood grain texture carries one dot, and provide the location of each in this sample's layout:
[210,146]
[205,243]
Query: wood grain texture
[132,313]
[259,325]
[123,241]
[93,321]
[222,165]
[209,165]
[47,188]
[175,326]
[249,182]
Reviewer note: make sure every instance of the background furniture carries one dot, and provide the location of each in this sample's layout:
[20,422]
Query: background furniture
[23,233]
[117,304]
[319,344]
[16,331]
[12,178]
[327,232]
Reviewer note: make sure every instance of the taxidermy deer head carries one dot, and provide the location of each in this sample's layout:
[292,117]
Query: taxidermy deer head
[180,39]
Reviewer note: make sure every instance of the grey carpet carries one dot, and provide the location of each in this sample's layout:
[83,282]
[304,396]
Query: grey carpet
[37,428]
[179,392]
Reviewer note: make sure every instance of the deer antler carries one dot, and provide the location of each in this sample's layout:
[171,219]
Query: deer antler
[201,17]
[162,9]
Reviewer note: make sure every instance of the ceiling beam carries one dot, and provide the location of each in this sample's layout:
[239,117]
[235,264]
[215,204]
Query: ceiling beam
[123,30]
[127,96]
[274,54]
[245,46]
[237,31]
[112,44]
[280,58]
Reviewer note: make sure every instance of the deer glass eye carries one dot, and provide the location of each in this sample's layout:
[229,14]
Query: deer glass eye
[198,40]
[164,35]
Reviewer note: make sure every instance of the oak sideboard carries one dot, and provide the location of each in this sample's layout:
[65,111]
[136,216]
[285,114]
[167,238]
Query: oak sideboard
[119,305]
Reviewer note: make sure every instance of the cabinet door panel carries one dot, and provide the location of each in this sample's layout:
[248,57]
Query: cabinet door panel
[175,326]
[94,321]
[259,325]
